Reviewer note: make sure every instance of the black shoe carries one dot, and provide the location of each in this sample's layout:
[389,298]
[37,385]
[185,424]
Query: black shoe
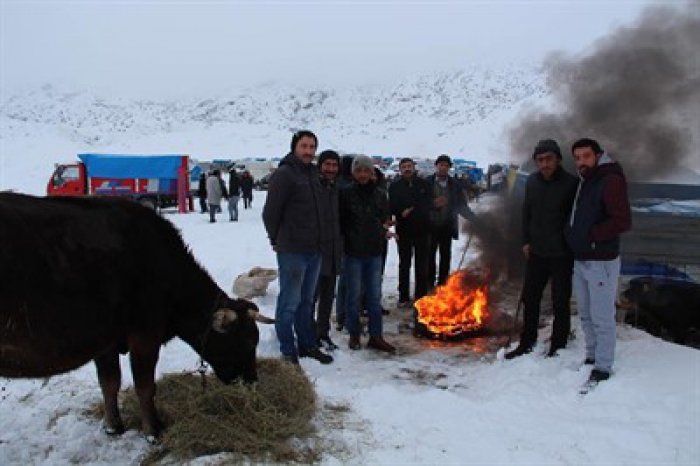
[598,376]
[327,343]
[589,362]
[316,354]
[290,359]
[553,351]
[519,351]
[354,342]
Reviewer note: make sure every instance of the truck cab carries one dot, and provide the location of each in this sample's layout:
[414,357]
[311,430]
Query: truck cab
[67,180]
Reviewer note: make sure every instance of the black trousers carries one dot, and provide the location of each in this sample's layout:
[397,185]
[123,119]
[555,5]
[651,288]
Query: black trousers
[415,247]
[325,295]
[539,271]
[440,240]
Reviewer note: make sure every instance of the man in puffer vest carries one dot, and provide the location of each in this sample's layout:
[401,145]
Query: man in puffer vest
[600,214]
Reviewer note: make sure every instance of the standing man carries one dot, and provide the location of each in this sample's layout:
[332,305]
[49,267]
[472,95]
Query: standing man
[409,202]
[331,246]
[202,193]
[234,194]
[601,213]
[247,189]
[549,194]
[214,194]
[448,202]
[293,218]
[364,214]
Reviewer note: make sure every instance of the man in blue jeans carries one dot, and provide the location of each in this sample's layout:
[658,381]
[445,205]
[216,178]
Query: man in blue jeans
[292,217]
[600,214]
[364,213]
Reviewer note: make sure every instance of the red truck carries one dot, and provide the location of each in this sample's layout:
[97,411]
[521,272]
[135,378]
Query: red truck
[155,181]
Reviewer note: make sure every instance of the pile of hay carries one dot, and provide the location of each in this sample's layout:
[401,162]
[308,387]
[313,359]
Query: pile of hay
[267,421]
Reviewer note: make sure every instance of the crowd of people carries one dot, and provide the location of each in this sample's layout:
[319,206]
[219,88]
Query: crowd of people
[330,222]
[212,190]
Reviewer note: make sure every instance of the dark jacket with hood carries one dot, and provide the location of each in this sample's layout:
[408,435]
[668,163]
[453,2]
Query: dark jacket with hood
[331,240]
[600,214]
[234,184]
[363,211]
[546,211]
[456,205]
[404,194]
[292,214]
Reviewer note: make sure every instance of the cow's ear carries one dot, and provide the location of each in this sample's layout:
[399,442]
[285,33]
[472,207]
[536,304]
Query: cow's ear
[222,320]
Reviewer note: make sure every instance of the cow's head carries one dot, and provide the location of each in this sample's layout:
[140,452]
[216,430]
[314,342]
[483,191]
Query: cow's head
[231,342]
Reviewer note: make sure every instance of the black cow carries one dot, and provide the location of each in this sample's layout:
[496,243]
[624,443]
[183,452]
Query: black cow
[664,304]
[84,279]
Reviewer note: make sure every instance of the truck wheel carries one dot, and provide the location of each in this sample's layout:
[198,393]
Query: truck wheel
[148,202]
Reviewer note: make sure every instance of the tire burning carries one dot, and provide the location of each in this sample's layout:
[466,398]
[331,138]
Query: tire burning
[458,307]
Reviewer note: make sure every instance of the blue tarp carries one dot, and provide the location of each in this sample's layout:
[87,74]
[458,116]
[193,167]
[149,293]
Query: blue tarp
[131,166]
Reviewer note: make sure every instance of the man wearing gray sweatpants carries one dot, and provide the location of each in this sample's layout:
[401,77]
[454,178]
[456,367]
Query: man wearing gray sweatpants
[600,214]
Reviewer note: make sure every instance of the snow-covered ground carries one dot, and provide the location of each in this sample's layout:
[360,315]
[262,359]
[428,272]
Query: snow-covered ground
[432,403]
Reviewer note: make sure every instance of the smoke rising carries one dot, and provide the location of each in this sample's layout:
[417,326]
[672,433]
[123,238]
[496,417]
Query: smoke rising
[637,93]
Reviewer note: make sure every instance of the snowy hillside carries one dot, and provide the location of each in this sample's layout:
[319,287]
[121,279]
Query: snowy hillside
[460,113]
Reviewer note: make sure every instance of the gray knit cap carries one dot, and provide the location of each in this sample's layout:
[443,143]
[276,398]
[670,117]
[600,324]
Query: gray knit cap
[362,161]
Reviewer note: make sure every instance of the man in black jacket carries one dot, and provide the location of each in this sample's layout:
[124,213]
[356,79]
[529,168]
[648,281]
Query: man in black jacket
[293,218]
[409,201]
[549,195]
[448,202]
[364,215]
[331,246]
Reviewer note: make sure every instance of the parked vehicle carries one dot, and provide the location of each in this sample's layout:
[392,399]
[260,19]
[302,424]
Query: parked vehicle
[155,181]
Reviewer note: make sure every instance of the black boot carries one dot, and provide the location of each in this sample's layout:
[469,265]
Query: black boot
[316,354]
[522,348]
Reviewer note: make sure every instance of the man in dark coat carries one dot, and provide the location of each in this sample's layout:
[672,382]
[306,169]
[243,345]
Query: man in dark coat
[364,214]
[293,217]
[202,193]
[234,194]
[448,202]
[331,246]
[549,195]
[409,201]
[601,213]
[247,189]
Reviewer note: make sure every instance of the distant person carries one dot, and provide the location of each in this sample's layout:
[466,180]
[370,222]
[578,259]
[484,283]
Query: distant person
[447,202]
[601,213]
[409,201]
[234,194]
[549,195]
[214,194]
[364,213]
[294,220]
[202,193]
[247,189]
[331,246]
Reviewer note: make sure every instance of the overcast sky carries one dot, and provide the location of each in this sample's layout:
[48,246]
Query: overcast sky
[203,47]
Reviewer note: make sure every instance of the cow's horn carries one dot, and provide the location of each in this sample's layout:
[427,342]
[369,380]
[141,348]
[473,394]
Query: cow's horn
[259,317]
[222,319]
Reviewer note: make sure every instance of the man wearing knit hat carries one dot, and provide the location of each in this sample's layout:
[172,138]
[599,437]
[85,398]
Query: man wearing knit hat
[293,217]
[331,246]
[364,215]
[549,194]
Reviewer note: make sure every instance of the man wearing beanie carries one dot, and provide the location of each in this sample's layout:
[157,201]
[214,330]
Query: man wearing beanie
[549,194]
[448,202]
[364,215]
[331,246]
[293,216]
[409,200]
[601,213]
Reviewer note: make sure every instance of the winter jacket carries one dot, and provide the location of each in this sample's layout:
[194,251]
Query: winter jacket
[363,211]
[456,205]
[600,214]
[292,213]
[214,192]
[546,210]
[202,188]
[234,185]
[247,186]
[406,193]
[331,240]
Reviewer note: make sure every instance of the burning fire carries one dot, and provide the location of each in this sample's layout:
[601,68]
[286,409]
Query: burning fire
[453,310]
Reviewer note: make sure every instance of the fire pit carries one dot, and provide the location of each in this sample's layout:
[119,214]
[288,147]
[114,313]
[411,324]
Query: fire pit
[457,309]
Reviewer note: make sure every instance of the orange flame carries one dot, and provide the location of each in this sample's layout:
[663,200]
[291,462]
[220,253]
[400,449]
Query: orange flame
[453,310]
